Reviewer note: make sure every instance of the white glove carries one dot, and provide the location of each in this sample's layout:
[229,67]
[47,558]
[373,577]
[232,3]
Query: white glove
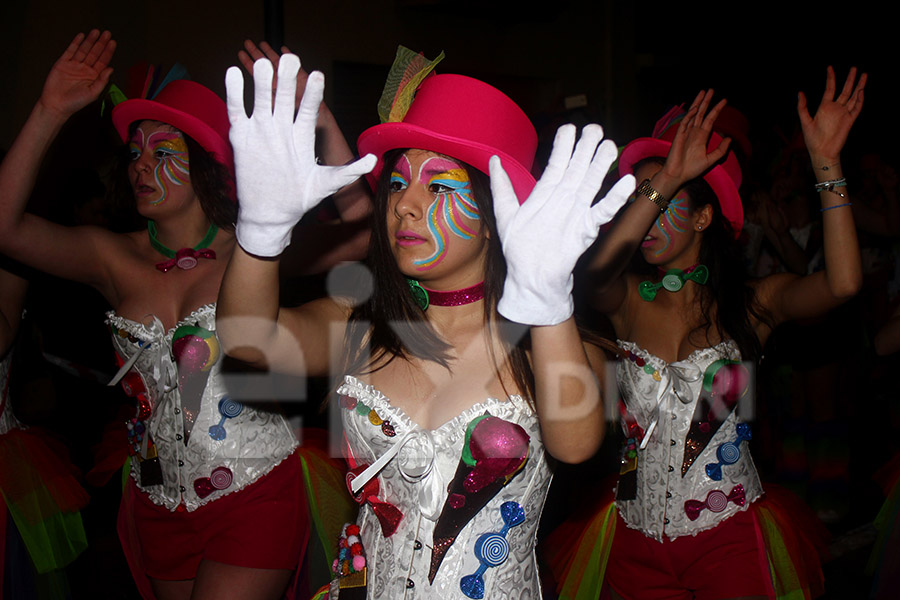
[278,179]
[544,237]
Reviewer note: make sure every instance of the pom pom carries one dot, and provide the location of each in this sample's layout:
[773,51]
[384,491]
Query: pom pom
[352,539]
[352,529]
[356,549]
[359,563]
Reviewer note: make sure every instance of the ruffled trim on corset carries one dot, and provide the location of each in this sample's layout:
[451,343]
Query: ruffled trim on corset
[154,498]
[724,349]
[658,537]
[449,431]
[147,333]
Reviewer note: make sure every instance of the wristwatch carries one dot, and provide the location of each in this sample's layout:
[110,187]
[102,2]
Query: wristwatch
[652,195]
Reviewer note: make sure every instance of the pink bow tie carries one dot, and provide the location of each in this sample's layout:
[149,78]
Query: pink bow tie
[716,501]
[185,259]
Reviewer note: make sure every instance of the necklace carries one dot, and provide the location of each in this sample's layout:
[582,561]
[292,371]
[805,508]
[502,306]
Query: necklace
[425,297]
[186,258]
[673,281]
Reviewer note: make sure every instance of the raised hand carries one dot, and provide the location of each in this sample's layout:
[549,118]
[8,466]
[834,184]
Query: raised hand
[80,75]
[278,178]
[543,238]
[689,157]
[826,132]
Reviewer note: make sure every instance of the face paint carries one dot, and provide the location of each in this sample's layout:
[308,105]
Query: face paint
[674,220]
[453,200]
[171,153]
[401,174]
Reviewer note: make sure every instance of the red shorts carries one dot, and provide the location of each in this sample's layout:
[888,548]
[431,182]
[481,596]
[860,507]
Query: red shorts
[727,561]
[263,526]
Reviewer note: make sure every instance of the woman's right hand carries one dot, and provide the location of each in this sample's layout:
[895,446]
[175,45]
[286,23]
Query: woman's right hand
[689,157]
[80,75]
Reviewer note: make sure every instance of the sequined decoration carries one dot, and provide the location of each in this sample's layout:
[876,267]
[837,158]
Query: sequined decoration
[494,451]
[195,350]
[724,383]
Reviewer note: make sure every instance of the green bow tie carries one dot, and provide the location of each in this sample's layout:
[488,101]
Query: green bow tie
[673,281]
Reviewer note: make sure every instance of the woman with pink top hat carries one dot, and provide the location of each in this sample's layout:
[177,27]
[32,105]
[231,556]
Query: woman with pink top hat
[463,370]
[689,520]
[214,505]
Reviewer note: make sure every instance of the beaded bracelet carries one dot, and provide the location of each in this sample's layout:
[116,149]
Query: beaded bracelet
[831,184]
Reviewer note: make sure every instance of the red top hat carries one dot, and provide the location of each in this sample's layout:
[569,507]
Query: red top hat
[465,119]
[189,107]
[724,178]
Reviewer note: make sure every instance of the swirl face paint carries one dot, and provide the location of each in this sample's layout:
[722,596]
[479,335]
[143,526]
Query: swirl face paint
[672,222]
[171,153]
[453,202]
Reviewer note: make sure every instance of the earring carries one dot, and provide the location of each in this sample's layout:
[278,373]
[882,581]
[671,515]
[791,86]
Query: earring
[699,227]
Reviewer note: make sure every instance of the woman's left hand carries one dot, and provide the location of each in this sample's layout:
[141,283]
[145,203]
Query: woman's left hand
[826,132]
[544,237]
[278,177]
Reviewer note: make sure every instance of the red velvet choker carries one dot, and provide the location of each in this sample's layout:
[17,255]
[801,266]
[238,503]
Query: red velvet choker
[425,297]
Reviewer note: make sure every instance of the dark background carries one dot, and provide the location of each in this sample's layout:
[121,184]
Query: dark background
[631,61]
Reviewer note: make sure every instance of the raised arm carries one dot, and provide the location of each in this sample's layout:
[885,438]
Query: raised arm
[688,158]
[542,239]
[76,80]
[825,133]
[278,181]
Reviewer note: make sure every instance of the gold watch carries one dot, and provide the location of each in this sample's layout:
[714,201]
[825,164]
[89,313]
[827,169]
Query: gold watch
[652,195]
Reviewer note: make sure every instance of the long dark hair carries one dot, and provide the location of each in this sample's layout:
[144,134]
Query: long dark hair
[727,294]
[390,325]
[211,180]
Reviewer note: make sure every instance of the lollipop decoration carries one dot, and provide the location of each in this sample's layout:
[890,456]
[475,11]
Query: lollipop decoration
[220,479]
[229,409]
[716,501]
[492,549]
[728,453]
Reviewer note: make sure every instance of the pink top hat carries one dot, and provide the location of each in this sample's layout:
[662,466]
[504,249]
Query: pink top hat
[724,178]
[465,119]
[189,107]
